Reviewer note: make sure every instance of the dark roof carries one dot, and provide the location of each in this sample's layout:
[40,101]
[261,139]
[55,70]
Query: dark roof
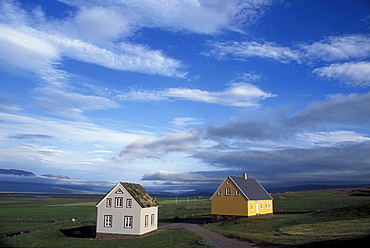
[139,194]
[251,188]
[137,191]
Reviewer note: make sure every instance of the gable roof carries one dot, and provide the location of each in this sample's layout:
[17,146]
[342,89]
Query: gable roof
[137,192]
[251,188]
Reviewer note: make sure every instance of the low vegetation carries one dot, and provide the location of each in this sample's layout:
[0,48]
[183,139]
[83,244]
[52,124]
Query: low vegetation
[325,218]
[31,220]
[302,219]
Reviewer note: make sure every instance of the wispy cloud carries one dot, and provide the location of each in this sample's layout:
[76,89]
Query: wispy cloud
[236,94]
[175,15]
[349,48]
[186,121]
[356,74]
[248,49]
[339,48]
[8,103]
[69,104]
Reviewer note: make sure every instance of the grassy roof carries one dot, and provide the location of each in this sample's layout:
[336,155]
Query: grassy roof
[139,194]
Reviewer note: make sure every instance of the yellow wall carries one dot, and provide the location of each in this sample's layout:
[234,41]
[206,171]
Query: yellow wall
[229,205]
[237,204]
[264,207]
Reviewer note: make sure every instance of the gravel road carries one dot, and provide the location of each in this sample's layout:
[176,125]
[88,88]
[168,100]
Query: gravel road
[209,237]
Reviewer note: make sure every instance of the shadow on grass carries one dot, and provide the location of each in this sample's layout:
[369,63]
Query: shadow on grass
[80,232]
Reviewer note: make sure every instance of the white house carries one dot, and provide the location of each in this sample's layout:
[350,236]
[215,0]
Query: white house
[127,209]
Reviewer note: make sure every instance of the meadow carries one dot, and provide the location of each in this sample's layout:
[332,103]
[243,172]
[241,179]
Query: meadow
[301,219]
[41,217]
[326,218]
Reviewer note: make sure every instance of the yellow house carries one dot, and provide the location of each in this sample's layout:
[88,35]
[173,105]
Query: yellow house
[240,196]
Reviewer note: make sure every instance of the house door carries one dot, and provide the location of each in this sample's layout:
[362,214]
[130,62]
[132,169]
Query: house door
[257,207]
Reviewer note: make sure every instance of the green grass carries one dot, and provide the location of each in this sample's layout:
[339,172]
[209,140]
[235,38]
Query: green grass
[168,209]
[44,217]
[325,216]
[331,218]
[52,237]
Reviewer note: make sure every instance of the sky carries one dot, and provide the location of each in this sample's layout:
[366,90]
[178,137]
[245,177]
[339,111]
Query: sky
[178,94]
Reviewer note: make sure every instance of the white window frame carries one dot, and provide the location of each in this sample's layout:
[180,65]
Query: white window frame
[118,202]
[252,206]
[128,222]
[109,203]
[129,203]
[227,191]
[108,220]
[237,192]
[219,192]
[152,219]
[146,220]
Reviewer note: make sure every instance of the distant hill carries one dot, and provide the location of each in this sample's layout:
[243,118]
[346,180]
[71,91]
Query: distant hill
[12,180]
[309,187]
[45,188]
[17,172]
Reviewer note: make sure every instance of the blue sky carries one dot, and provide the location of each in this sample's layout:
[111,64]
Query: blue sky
[176,95]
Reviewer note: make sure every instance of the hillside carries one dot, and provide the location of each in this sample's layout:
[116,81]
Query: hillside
[17,172]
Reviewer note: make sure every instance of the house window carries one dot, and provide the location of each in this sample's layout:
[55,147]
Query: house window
[128,221]
[228,182]
[146,220]
[252,207]
[228,191]
[219,192]
[107,220]
[109,202]
[119,202]
[119,191]
[152,220]
[261,205]
[129,203]
[236,192]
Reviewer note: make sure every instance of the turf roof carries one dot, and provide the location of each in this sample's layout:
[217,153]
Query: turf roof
[139,194]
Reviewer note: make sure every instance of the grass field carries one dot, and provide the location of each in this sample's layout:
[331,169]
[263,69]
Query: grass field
[43,216]
[325,217]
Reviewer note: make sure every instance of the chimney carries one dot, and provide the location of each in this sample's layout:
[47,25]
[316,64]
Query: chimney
[245,175]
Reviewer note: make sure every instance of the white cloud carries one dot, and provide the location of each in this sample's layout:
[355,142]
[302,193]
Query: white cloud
[237,95]
[186,121]
[101,23]
[351,73]
[330,138]
[69,104]
[40,47]
[339,48]
[247,49]
[65,131]
[124,56]
[199,16]
[22,49]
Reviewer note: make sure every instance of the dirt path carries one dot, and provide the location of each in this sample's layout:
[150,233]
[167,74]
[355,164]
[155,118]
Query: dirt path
[210,237]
